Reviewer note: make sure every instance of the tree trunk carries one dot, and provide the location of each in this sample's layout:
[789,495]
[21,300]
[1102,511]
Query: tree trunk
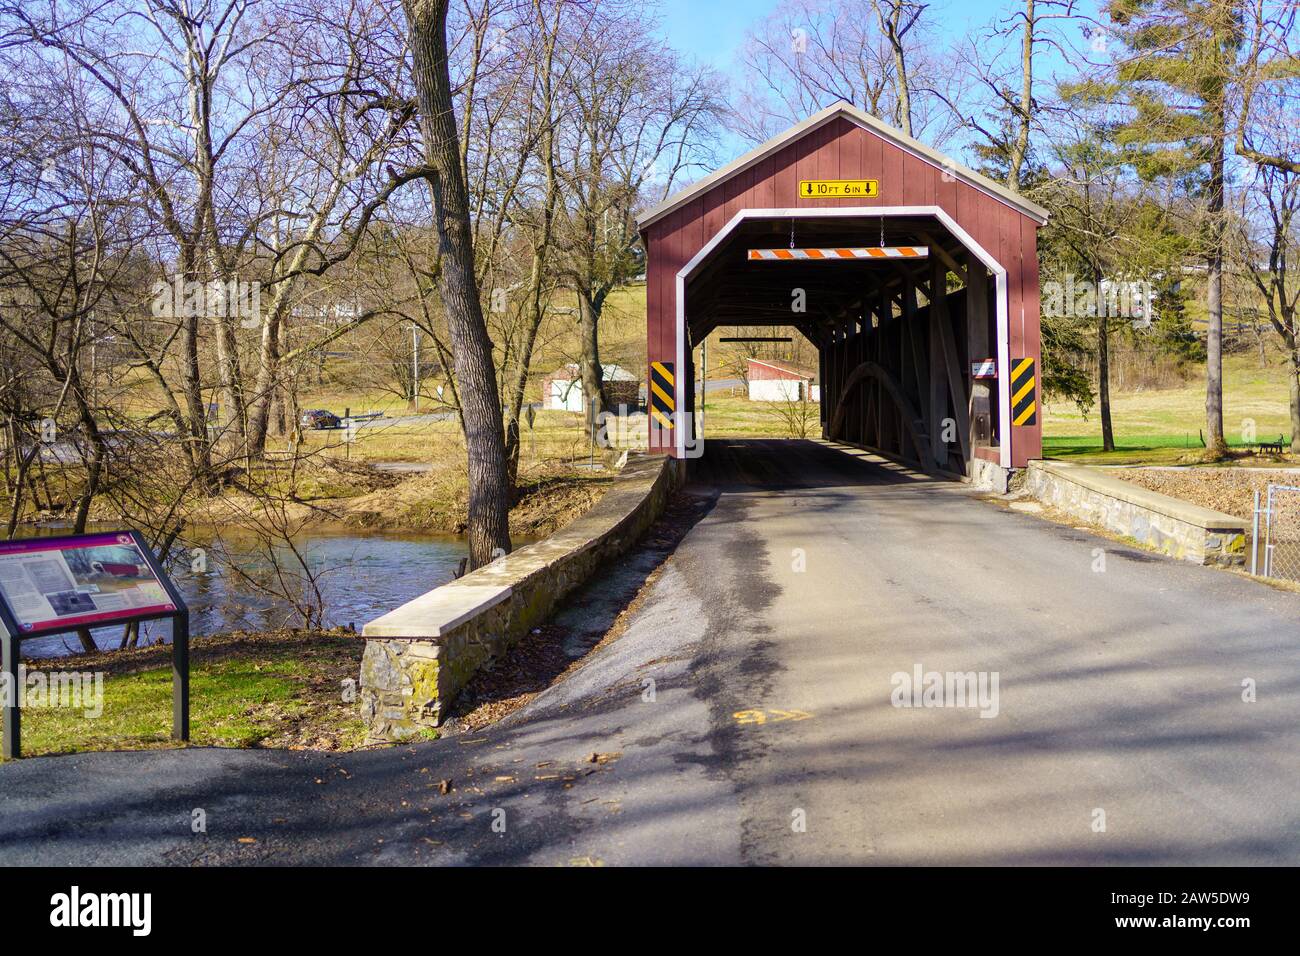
[537,276]
[230,377]
[892,27]
[1103,382]
[200,450]
[22,464]
[515,400]
[285,418]
[1024,109]
[266,389]
[94,467]
[1214,442]
[480,401]
[1294,367]
[592,374]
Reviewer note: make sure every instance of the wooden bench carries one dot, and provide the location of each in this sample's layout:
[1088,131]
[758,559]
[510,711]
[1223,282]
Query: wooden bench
[1272,447]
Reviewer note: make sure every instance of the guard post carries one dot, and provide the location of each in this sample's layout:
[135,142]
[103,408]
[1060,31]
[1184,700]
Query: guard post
[59,585]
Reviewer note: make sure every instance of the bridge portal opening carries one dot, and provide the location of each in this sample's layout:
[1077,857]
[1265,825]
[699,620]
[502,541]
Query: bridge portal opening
[915,279]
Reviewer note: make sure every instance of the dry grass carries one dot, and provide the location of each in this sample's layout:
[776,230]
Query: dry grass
[438,501]
[1229,490]
[555,437]
[727,416]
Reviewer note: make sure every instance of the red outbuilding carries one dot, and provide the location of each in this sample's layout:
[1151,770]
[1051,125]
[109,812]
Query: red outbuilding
[773,381]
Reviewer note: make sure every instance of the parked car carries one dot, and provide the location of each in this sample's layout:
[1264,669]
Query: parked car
[319,418]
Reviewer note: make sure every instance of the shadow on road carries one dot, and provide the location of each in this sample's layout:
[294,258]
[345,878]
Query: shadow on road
[583,621]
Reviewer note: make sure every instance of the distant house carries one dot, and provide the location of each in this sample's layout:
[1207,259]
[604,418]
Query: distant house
[771,381]
[562,389]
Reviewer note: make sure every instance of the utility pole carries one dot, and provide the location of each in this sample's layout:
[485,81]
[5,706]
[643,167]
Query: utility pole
[704,382]
[415,368]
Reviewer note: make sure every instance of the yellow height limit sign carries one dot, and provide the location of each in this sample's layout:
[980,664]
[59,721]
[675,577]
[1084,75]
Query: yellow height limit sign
[838,188]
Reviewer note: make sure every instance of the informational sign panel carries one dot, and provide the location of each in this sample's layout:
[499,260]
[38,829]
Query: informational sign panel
[55,584]
[838,188]
[984,368]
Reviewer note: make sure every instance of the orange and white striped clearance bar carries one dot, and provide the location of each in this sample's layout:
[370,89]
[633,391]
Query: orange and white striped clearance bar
[857,252]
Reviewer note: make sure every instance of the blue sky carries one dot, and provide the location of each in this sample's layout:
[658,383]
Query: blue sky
[713,30]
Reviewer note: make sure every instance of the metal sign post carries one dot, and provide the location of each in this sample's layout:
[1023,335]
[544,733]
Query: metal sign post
[64,584]
[9,675]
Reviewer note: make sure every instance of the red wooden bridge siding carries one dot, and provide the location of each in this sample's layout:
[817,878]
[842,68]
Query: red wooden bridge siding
[841,149]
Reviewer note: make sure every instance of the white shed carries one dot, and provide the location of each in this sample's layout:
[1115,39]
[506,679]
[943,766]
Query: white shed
[771,381]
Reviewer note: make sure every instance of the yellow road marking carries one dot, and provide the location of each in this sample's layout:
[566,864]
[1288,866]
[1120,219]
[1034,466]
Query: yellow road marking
[774,714]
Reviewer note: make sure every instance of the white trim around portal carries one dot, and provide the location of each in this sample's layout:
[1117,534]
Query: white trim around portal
[870,212]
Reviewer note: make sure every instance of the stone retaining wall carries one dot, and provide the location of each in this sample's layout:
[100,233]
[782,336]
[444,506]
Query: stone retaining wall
[1177,528]
[419,656]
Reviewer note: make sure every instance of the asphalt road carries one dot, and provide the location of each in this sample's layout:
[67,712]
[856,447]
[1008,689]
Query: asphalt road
[808,577]
[723,384]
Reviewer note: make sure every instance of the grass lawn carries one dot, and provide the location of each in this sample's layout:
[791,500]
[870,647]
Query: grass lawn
[1132,449]
[1152,426]
[1163,426]
[282,689]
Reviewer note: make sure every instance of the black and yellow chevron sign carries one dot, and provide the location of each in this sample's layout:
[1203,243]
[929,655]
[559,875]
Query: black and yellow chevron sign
[662,404]
[1024,402]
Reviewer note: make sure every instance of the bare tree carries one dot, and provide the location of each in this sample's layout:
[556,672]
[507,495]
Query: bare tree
[808,54]
[641,118]
[795,413]
[999,100]
[537,216]
[897,18]
[1269,84]
[1269,260]
[480,400]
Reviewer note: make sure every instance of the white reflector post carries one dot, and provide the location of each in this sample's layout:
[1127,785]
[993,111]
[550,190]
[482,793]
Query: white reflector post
[857,252]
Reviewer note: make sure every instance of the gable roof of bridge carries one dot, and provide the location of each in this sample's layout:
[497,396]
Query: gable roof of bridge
[868,122]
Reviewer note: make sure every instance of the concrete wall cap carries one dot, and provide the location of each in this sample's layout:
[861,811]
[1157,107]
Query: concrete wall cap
[437,612]
[1102,483]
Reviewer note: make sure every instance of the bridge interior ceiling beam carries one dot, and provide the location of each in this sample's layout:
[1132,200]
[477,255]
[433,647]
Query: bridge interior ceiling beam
[730,289]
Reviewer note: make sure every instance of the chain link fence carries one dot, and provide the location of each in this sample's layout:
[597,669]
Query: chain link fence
[1276,553]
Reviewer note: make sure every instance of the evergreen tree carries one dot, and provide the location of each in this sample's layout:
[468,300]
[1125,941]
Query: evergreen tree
[1177,73]
[1171,328]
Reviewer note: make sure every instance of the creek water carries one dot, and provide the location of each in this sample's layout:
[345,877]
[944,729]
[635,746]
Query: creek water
[359,575]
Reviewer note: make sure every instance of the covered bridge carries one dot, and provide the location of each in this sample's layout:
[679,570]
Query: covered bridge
[915,278]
